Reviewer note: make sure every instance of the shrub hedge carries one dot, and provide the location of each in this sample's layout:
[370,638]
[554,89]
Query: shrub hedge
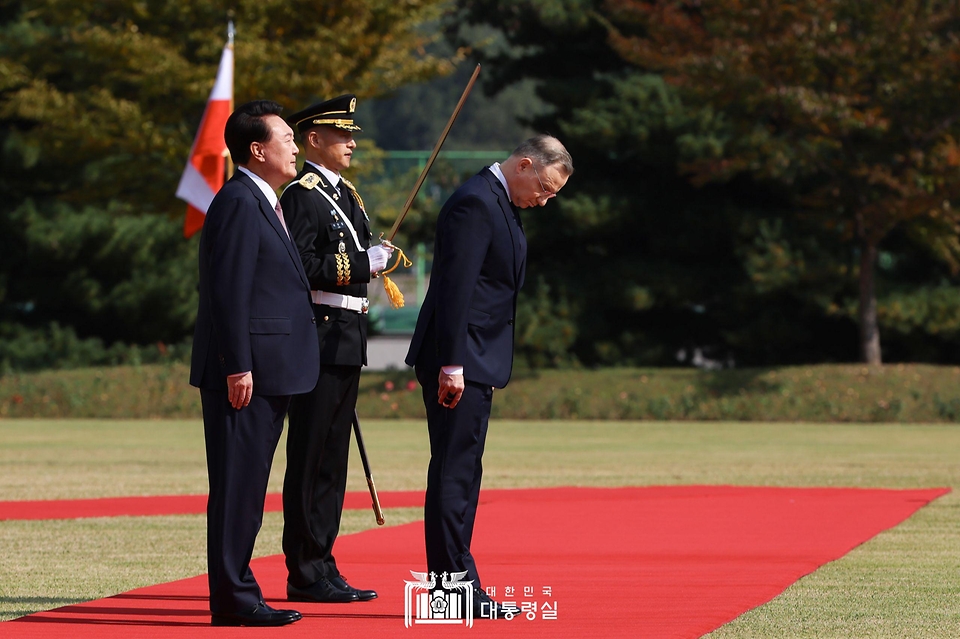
[822,393]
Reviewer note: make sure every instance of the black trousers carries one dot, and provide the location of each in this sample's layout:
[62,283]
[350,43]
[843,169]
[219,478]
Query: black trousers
[318,446]
[457,438]
[240,446]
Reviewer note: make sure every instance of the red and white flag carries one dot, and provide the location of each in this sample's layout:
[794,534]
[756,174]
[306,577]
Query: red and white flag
[204,173]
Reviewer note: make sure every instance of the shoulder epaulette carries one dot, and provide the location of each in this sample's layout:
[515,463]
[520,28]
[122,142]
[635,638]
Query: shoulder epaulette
[309,180]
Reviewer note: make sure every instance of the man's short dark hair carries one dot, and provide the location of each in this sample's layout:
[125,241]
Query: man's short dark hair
[245,126]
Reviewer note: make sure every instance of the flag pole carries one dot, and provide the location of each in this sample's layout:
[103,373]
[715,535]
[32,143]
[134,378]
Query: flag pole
[207,165]
[231,32]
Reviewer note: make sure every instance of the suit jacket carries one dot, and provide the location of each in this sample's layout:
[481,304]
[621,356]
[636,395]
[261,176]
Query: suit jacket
[254,312]
[479,262]
[317,228]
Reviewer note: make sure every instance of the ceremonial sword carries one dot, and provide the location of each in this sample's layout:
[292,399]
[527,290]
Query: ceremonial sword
[433,156]
[393,232]
[378,513]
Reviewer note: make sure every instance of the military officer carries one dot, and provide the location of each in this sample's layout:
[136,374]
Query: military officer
[331,229]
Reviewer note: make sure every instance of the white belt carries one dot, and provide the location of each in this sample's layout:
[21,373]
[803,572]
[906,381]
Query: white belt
[349,302]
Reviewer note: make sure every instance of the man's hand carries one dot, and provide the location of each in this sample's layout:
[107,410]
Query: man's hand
[451,389]
[379,256]
[240,389]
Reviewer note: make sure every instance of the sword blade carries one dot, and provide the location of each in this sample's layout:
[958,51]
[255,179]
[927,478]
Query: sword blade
[433,156]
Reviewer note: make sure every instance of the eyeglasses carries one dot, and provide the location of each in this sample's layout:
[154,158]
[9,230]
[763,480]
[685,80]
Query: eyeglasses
[544,193]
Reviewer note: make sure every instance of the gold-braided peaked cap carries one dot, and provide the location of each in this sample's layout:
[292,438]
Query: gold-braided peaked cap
[336,112]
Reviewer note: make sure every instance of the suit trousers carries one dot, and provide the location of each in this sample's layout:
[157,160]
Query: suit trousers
[318,447]
[240,446]
[457,438]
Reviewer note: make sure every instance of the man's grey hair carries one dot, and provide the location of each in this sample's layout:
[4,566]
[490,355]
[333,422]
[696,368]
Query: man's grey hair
[545,150]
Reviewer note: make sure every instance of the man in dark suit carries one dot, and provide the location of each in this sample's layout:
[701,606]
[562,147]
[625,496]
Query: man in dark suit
[332,233]
[463,344]
[255,345]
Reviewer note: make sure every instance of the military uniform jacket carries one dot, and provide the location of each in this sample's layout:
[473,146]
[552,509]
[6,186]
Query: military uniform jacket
[331,259]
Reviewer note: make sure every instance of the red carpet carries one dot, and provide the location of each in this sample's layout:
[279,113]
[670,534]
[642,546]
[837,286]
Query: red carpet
[624,562]
[172,505]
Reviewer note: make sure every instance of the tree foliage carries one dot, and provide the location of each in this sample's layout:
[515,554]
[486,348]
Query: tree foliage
[104,99]
[99,104]
[851,105]
[735,161]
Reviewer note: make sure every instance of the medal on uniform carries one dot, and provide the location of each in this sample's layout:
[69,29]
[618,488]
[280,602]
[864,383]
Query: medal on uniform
[342,248]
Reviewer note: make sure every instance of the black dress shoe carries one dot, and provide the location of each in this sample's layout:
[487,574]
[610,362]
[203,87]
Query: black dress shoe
[362,595]
[259,615]
[320,592]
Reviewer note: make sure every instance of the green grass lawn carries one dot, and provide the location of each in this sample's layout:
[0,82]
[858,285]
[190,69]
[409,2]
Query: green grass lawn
[904,583]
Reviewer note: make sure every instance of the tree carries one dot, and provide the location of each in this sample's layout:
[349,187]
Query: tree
[851,105]
[99,103]
[656,261]
[645,263]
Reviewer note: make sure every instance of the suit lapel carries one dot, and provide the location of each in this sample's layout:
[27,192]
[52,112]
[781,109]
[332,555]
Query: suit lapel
[271,215]
[512,218]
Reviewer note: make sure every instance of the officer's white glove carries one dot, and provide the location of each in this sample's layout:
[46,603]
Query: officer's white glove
[379,256]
